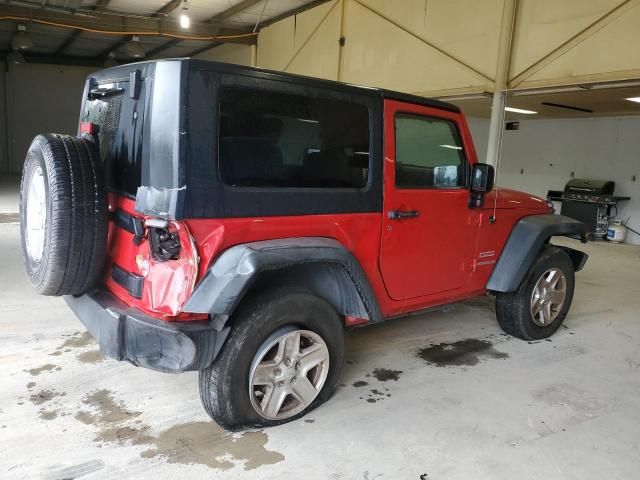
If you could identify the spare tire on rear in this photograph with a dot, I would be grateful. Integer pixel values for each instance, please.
(63, 214)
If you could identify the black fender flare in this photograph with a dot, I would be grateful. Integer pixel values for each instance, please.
(321, 264)
(525, 241)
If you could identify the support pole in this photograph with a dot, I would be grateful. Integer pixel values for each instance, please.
(341, 41)
(496, 124)
(496, 128)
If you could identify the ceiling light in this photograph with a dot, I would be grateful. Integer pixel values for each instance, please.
(519, 110)
(185, 22)
(452, 147)
(633, 99)
(21, 40)
(133, 48)
(15, 57)
(111, 60)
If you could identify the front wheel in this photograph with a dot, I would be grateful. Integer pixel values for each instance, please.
(537, 309)
(283, 357)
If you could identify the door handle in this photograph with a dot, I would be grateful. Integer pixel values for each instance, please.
(400, 214)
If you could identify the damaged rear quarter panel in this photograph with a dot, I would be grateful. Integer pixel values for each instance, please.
(358, 233)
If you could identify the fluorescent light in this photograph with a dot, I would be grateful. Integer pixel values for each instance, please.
(633, 99)
(519, 110)
(452, 147)
(184, 20)
(308, 120)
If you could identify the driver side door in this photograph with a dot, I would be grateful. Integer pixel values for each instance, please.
(429, 232)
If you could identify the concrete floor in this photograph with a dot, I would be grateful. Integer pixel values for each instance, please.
(492, 407)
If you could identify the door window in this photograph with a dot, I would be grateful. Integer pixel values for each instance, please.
(429, 153)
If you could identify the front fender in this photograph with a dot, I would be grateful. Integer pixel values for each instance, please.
(340, 278)
(524, 243)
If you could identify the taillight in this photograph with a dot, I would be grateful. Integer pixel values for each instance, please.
(88, 127)
(165, 245)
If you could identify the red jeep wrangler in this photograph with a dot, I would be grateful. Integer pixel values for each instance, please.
(234, 221)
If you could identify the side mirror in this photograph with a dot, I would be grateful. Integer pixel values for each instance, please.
(482, 177)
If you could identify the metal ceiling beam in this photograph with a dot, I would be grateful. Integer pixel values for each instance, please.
(291, 13)
(100, 5)
(250, 3)
(168, 8)
(111, 22)
(162, 12)
(231, 11)
(216, 19)
(100, 21)
(234, 11)
(161, 48)
(49, 58)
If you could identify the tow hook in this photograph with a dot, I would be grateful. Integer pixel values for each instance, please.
(165, 245)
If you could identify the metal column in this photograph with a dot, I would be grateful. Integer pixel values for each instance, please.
(496, 124)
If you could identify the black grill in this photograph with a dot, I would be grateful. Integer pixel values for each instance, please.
(589, 201)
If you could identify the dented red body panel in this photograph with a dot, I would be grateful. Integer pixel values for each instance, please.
(167, 285)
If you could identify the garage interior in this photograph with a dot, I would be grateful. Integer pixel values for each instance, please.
(492, 406)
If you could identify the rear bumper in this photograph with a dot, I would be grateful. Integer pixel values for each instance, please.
(127, 334)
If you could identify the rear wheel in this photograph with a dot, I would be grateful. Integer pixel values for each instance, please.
(537, 309)
(63, 215)
(282, 358)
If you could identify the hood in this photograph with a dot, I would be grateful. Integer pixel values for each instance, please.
(508, 198)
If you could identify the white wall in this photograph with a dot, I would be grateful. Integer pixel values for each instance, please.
(41, 98)
(543, 153)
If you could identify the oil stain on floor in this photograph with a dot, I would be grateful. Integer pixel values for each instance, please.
(48, 402)
(43, 368)
(466, 352)
(385, 374)
(189, 443)
(77, 340)
(91, 356)
(208, 444)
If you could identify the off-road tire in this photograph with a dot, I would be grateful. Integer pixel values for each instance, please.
(513, 309)
(75, 229)
(224, 386)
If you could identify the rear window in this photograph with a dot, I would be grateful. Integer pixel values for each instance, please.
(114, 112)
(270, 139)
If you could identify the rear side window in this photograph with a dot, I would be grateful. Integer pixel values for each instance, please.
(270, 139)
(429, 153)
(116, 116)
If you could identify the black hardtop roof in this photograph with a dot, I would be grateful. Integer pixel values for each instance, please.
(286, 77)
